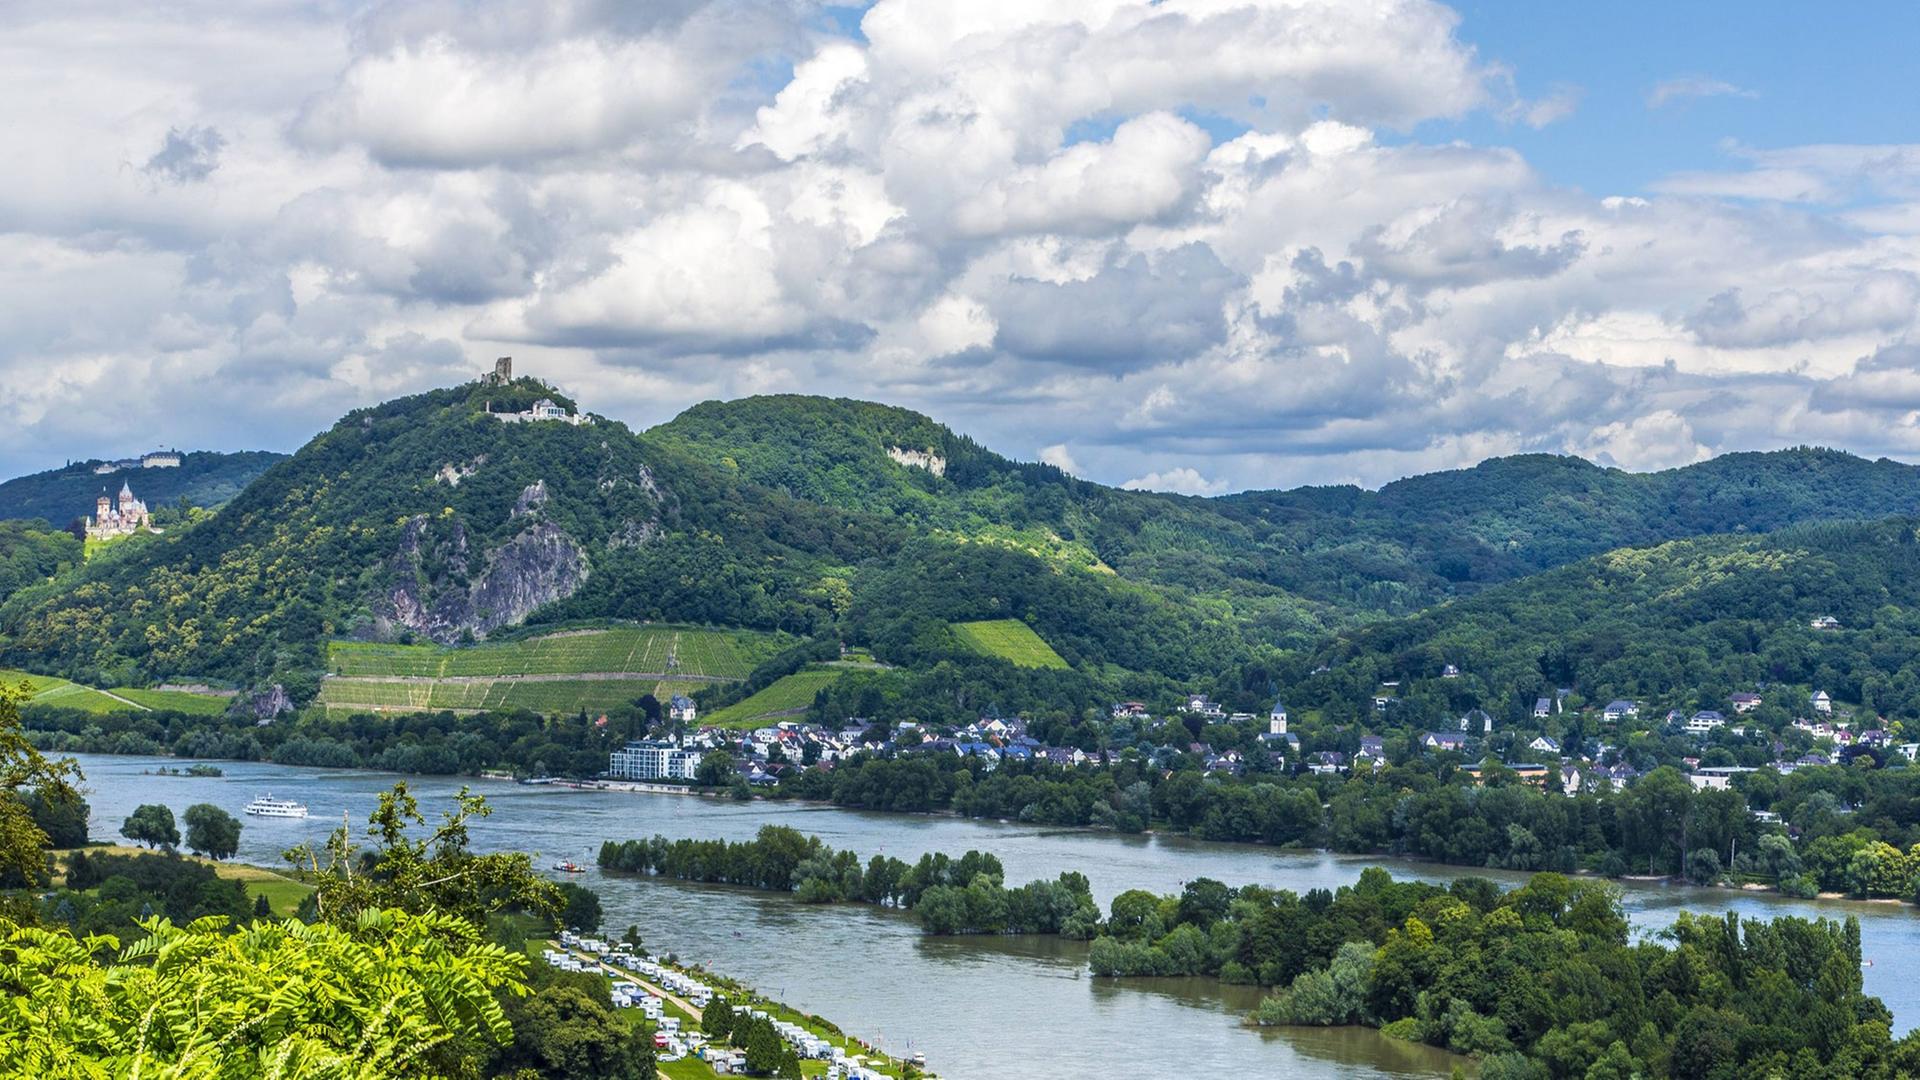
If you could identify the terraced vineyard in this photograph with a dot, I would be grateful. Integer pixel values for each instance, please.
(791, 695)
(1010, 640)
(650, 650)
(557, 673)
(472, 695)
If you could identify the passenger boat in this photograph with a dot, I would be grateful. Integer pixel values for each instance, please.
(268, 806)
(569, 867)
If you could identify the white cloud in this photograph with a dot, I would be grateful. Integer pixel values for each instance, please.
(1687, 87)
(1014, 216)
(1060, 458)
(1180, 481)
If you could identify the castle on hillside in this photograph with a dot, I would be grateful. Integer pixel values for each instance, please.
(124, 518)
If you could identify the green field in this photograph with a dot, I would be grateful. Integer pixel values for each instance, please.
(791, 694)
(60, 693)
(649, 650)
(1010, 640)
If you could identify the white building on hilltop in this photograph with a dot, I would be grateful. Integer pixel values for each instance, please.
(544, 409)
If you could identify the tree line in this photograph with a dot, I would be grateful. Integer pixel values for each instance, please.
(967, 895)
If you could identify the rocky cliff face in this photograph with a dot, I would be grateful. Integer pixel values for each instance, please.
(435, 593)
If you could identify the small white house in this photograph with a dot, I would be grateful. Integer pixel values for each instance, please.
(1704, 721)
(682, 710)
(1821, 702)
(1618, 710)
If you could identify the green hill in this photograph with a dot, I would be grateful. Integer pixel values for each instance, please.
(1292, 563)
(426, 519)
(1687, 622)
(204, 478)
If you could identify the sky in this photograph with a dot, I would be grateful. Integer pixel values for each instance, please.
(1193, 245)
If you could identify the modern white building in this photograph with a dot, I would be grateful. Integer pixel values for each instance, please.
(653, 761)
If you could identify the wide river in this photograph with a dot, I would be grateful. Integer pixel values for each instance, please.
(979, 1008)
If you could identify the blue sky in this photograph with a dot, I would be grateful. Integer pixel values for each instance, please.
(1191, 245)
(1796, 74)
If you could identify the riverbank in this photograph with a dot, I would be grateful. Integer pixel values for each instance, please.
(954, 999)
(844, 1054)
(644, 787)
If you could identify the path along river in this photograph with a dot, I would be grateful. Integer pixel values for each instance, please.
(979, 1008)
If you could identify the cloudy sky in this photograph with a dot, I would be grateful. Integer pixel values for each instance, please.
(1195, 245)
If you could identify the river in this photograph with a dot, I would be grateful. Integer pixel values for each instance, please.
(977, 1007)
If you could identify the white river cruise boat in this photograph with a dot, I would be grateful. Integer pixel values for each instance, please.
(268, 806)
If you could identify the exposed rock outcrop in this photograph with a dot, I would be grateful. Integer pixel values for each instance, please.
(540, 565)
(919, 459)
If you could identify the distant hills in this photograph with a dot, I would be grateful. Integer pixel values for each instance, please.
(425, 519)
(204, 478)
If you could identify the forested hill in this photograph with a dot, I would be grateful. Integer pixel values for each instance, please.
(425, 517)
(1291, 561)
(1683, 624)
(204, 478)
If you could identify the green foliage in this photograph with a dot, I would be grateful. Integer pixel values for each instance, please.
(284, 1000)
(580, 908)
(212, 831)
(31, 554)
(949, 896)
(567, 1028)
(151, 824)
(434, 873)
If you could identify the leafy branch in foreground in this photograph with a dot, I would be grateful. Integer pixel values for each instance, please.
(283, 1000)
(438, 873)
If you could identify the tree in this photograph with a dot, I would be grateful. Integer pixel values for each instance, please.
(567, 1029)
(23, 842)
(435, 873)
(64, 820)
(580, 908)
(261, 908)
(717, 1019)
(151, 824)
(715, 769)
(212, 831)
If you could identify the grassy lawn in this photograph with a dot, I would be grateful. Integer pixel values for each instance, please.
(790, 693)
(1010, 640)
(282, 892)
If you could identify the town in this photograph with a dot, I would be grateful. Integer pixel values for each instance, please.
(1541, 753)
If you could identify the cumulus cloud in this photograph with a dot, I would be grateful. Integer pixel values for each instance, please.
(1187, 244)
(1180, 481)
